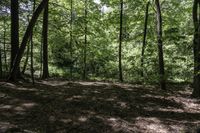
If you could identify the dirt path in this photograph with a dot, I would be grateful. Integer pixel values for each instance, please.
(95, 107)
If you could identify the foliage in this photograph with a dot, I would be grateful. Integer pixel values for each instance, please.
(103, 30)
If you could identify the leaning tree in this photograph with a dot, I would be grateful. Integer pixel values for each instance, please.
(196, 48)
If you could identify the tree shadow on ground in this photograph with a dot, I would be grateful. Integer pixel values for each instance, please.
(95, 107)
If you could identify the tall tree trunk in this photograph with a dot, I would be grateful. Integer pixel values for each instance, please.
(160, 45)
(32, 69)
(71, 39)
(31, 42)
(14, 33)
(144, 38)
(41, 57)
(4, 47)
(12, 76)
(120, 41)
(45, 43)
(26, 60)
(85, 44)
(196, 48)
(27, 53)
(1, 68)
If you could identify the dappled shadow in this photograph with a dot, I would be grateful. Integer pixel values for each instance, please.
(96, 107)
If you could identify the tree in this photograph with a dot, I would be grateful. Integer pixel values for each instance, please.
(160, 45)
(120, 41)
(196, 48)
(71, 37)
(4, 45)
(14, 32)
(85, 43)
(45, 42)
(144, 38)
(31, 43)
(12, 76)
(1, 71)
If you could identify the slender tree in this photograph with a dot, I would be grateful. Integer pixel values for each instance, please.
(31, 42)
(27, 53)
(26, 60)
(14, 32)
(160, 45)
(4, 46)
(1, 68)
(45, 42)
(120, 41)
(85, 44)
(144, 37)
(25, 39)
(71, 38)
(196, 48)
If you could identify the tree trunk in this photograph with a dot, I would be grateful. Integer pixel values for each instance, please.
(120, 41)
(160, 45)
(31, 42)
(1, 68)
(12, 76)
(45, 42)
(41, 57)
(27, 53)
(144, 38)
(26, 61)
(85, 44)
(32, 69)
(4, 47)
(71, 39)
(14, 33)
(196, 45)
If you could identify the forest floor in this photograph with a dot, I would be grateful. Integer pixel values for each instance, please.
(96, 107)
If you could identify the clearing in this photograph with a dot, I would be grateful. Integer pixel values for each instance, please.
(96, 107)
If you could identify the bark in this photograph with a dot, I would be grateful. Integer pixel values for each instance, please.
(27, 54)
(31, 42)
(1, 68)
(41, 58)
(160, 45)
(12, 76)
(14, 32)
(144, 38)
(120, 42)
(85, 44)
(45, 43)
(196, 48)
(32, 69)
(4, 46)
(26, 61)
(71, 39)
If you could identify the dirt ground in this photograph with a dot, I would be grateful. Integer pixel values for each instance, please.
(96, 107)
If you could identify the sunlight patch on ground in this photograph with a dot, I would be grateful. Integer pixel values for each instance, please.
(3, 95)
(5, 107)
(77, 97)
(190, 105)
(122, 105)
(171, 110)
(4, 126)
(66, 121)
(29, 105)
(55, 83)
(8, 84)
(82, 119)
(120, 125)
(154, 125)
(93, 83)
(25, 89)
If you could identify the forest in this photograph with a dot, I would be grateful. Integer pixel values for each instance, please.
(99, 66)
